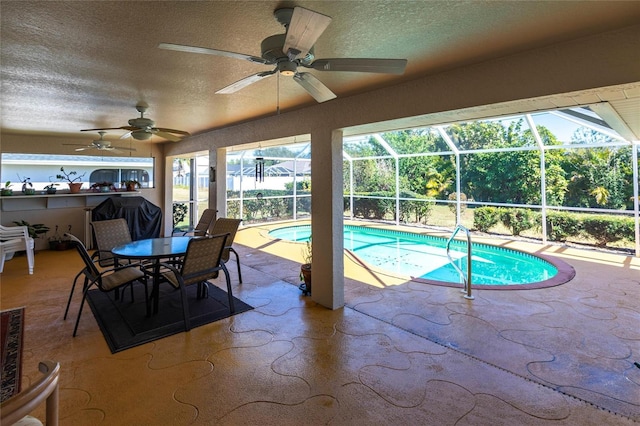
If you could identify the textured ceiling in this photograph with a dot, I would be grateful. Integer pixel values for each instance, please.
(73, 65)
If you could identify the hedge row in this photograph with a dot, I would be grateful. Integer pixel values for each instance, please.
(266, 207)
(416, 211)
(560, 225)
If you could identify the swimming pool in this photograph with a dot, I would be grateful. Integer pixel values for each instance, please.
(424, 257)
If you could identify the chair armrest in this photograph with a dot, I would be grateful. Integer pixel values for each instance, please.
(181, 232)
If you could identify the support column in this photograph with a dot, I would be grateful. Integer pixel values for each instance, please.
(327, 219)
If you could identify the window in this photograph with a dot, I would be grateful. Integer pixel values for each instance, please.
(42, 168)
(120, 175)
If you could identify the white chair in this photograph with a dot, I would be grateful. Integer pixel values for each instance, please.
(13, 239)
(15, 410)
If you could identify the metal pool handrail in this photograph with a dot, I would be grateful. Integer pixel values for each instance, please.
(467, 279)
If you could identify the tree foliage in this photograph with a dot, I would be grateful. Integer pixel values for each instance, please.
(594, 177)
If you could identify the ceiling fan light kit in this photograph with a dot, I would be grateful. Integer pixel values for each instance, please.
(294, 49)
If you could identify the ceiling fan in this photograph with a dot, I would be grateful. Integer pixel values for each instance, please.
(142, 128)
(294, 49)
(100, 144)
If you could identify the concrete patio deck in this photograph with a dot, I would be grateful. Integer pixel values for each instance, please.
(399, 352)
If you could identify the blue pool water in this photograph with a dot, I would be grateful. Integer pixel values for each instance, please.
(423, 256)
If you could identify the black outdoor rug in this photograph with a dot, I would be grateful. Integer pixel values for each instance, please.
(125, 324)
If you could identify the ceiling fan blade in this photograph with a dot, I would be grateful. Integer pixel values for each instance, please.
(77, 144)
(105, 128)
(315, 87)
(207, 51)
(111, 149)
(241, 84)
(303, 31)
(385, 66)
(166, 135)
(126, 135)
(85, 148)
(178, 132)
(121, 148)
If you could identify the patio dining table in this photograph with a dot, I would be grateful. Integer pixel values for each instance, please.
(154, 250)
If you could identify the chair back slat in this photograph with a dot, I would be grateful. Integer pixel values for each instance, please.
(202, 259)
(207, 218)
(13, 232)
(90, 269)
(13, 239)
(109, 234)
(229, 226)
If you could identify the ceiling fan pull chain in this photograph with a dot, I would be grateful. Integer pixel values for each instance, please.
(278, 93)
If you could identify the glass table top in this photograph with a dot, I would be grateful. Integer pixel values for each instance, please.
(154, 247)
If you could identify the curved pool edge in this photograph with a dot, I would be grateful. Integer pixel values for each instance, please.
(565, 274)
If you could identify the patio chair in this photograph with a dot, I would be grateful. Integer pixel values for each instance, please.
(202, 228)
(223, 226)
(107, 235)
(107, 280)
(17, 408)
(202, 262)
(13, 239)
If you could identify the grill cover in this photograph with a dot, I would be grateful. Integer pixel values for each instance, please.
(143, 217)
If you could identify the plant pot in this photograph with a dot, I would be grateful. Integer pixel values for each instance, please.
(74, 187)
(29, 191)
(59, 245)
(131, 187)
(305, 270)
(51, 190)
(6, 192)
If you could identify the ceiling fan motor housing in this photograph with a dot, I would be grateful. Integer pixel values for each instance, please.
(271, 48)
(141, 135)
(142, 122)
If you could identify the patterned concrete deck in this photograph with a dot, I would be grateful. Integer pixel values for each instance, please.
(400, 352)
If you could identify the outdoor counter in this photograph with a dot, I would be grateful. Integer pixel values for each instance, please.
(69, 212)
(60, 200)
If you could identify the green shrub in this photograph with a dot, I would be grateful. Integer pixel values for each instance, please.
(517, 220)
(562, 225)
(179, 212)
(233, 209)
(372, 208)
(415, 211)
(607, 229)
(272, 205)
(384, 206)
(484, 218)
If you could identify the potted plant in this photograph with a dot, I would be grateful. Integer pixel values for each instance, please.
(75, 183)
(59, 243)
(305, 269)
(34, 230)
(102, 186)
(27, 186)
(7, 189)
(131, 185)
(51, 188)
